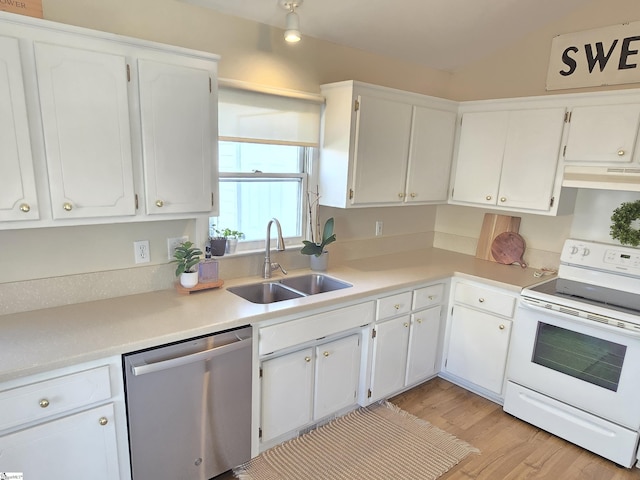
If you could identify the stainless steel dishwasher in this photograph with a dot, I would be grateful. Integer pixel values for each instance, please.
(189, 407)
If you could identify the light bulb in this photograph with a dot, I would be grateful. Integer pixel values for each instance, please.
(292, 28)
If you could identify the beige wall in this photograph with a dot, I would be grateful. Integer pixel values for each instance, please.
(520, 69)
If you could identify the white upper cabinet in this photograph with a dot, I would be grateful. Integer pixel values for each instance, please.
(85, 117)
(178, 113)
(431, 149)
(102, 128)
(384, 147)
(509, 159)
(602, 134)
(18, 199)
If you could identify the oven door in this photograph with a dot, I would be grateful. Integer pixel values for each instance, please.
(588, 365)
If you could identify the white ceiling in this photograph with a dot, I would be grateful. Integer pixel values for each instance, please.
(441, 34)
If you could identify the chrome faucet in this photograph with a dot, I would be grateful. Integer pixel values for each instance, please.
(268, 266)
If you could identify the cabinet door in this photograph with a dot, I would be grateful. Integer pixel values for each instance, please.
(423, 345)
(76, 447)
(381, 150)
(337, 375)
(178, 131)
(530, 158)
(287, 386)
(389, 357)
(432, 134)
(480, 152)
(604, 133)
(85, 116)
(17, 183)
(478, 347)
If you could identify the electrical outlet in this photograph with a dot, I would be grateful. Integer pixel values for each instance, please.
(141, 251)
(172, 243)
(379, 228)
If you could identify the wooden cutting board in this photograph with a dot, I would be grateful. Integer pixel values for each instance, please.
(492, 226)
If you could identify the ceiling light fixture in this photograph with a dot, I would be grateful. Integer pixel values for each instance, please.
(292, 22)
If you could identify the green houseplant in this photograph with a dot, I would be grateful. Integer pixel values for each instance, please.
(187, 256)
(317, 247)
(232, 237)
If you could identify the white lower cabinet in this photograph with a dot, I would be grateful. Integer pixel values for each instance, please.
(478, 336)
(405, 347)
(75, 447)
(69, 424)
(309, 384)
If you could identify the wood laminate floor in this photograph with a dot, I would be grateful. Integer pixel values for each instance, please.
(510, 448)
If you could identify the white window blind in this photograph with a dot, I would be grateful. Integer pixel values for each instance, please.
(248, 114)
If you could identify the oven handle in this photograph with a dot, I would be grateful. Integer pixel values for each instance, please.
(609, 324)
(205, 355)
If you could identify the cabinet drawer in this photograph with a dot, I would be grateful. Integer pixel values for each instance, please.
(288, 334)
(43, 399)
(485, 299)
(393, 305)
(427, 296)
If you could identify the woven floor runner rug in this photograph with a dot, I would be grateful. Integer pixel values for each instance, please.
(376, 442)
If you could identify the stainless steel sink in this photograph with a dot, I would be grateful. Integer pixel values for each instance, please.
(288, 288)
(314, 283)
(269, 292)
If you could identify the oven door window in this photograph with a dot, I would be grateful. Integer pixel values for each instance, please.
(581, 356)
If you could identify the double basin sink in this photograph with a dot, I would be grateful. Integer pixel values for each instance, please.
(288, 288)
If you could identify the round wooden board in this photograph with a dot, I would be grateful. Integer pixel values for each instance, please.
(508, 248)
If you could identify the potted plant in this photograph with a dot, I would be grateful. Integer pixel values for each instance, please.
(232, 237)
(217, 242)
(316, 249)
(187, 256)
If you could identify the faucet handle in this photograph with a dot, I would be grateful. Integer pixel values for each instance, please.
(275, 266)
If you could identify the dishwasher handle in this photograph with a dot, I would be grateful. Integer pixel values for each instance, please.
(205, 355)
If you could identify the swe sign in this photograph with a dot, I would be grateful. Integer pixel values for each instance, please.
(603, 56)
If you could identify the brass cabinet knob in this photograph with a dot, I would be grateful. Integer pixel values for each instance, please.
(159, 203)
(481, 300)
(432, 297)
(25, 207)
(501, 327)
(397, 306)
(307, 359)
(44, 403)
(419, 320)
(406, 325)
(503, 199)
(413, 195)
(621, 153)
(488, 197)
(326, 354)
(401, 195)
(67, 206)
(103, 421)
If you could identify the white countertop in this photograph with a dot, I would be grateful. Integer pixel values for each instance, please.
(40, 340)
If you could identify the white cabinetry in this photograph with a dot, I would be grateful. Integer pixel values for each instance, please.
(85, 115)
(114, 124)
(602, 134)
(382, 146)
(509, 158)
(178, 113)
(405, 340)
(310, 369)
(18, 199)
(70, 422)
(477, 337)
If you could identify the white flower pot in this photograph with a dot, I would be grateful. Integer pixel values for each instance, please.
(189, 279)
(319, 264)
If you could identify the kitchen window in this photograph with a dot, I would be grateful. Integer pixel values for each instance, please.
(267, 150)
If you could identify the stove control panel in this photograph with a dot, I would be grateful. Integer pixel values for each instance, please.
(601, 256)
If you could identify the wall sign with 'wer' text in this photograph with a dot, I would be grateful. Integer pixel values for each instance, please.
(603, 56)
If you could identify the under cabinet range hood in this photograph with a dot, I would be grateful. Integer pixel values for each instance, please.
(604, 178)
